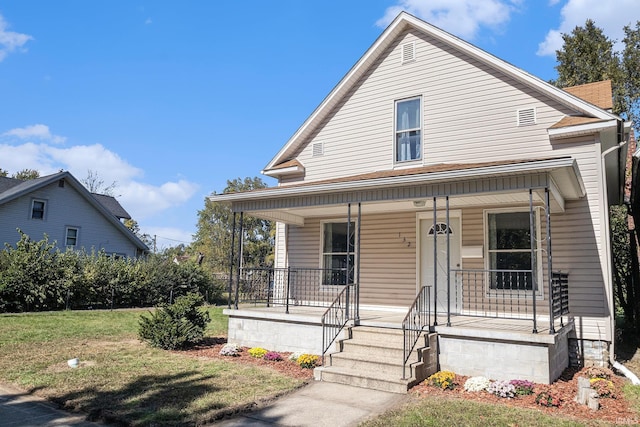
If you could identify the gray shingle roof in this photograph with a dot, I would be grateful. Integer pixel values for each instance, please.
(112, 205)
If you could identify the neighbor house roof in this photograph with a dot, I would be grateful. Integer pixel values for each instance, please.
(14, 190)
(112, 205)
(400, 24)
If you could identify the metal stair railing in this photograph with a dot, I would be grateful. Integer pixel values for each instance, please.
(414, 322)
(336, 317)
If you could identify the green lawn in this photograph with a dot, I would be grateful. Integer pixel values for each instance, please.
(120, 378)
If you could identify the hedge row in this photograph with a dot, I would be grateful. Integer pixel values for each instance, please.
(37, 276)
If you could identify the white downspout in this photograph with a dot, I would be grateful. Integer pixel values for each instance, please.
(607, 242)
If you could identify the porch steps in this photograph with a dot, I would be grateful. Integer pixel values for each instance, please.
(372, 358)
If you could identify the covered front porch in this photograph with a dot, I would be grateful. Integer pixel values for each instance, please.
(461, 251)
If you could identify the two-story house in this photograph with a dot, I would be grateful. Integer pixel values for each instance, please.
(440, 209)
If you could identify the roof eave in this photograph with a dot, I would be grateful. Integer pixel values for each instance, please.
(311, 189)
(581, 130)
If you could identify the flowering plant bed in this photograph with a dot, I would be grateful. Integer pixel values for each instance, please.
(211, 347)
(556, 398)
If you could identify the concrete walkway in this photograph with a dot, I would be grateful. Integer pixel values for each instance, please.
(320, 404)
(20, 409)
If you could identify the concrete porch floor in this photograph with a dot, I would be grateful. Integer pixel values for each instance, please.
(392, 317)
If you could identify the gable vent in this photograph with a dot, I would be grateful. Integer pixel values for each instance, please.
(318, 149)
(408, 52)
(527, 116)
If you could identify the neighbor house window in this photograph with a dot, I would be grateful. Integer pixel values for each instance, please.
(408, 130)
(37, 209)
(71, 238)
(337, 248)
(509, 250)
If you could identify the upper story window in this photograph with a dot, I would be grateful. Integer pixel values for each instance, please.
(71, 238)
(37, 209)
(408, 130)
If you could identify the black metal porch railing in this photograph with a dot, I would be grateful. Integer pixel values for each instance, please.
(336, 317)
(414, 323)
(560, 292)
(309, 287)
(494, 293)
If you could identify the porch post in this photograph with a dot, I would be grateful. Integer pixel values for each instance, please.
(348, 255)
(534, 270)
(239, 259)
(448, 267)
(435, 263)
(357, 296)
(233, 242)
(547, 207)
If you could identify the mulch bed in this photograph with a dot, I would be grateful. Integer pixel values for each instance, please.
(611, 410)
(210, 349)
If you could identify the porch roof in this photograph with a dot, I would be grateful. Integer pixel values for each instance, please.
(286, 203)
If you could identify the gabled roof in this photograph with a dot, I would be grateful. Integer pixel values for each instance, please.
(399, 24)
(597, 93)
(15, 190)
(112, 205)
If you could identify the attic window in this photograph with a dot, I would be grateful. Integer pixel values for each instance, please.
(526, 116)
(318, 149)
(61, 183)
(408, 52)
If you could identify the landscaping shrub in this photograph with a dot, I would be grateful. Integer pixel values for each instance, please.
(307, 361)
(475, 384)
(546, 398)
(445, 380)
(522, 387)
(230, 350)
(175, 326)
(502, 389)
(257, 352)
(272, 356)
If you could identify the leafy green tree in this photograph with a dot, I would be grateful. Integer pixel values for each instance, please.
(4, 173)
(588, 56)
(213, 235)
(26, 174)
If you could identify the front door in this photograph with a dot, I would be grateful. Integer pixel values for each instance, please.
(441, 231)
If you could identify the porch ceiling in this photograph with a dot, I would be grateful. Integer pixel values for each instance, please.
(298, 215)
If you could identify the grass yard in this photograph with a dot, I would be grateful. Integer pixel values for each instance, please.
(120, 378)
(439, 411)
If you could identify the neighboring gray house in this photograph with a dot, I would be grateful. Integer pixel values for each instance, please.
(61, 207)
(417, 208)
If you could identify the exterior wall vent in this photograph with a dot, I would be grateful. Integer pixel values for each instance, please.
(408, 52)
(318, 149)
(526, 116)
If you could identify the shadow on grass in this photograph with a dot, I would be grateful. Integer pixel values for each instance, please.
(149, 400)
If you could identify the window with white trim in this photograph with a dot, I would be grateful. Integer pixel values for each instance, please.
(38, 209)
(336, 250)
(71, 237)
(509, 250)
(408, 129)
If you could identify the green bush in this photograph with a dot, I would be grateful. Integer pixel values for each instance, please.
(175, 326)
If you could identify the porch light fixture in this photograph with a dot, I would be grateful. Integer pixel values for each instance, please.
(419, 203)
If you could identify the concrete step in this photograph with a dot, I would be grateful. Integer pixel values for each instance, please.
(375, 382)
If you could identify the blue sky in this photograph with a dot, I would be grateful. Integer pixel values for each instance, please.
(171, 99)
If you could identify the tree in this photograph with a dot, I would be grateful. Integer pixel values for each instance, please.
(3, 172)
(96, 185)
(132, 225)
(213, 235)
(588, 56)
(26, 174)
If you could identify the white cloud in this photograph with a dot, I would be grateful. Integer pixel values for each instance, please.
(609, 15)
(148, 21)
(142, 200)
(9, 40)
(463, 18)
(37, 131)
